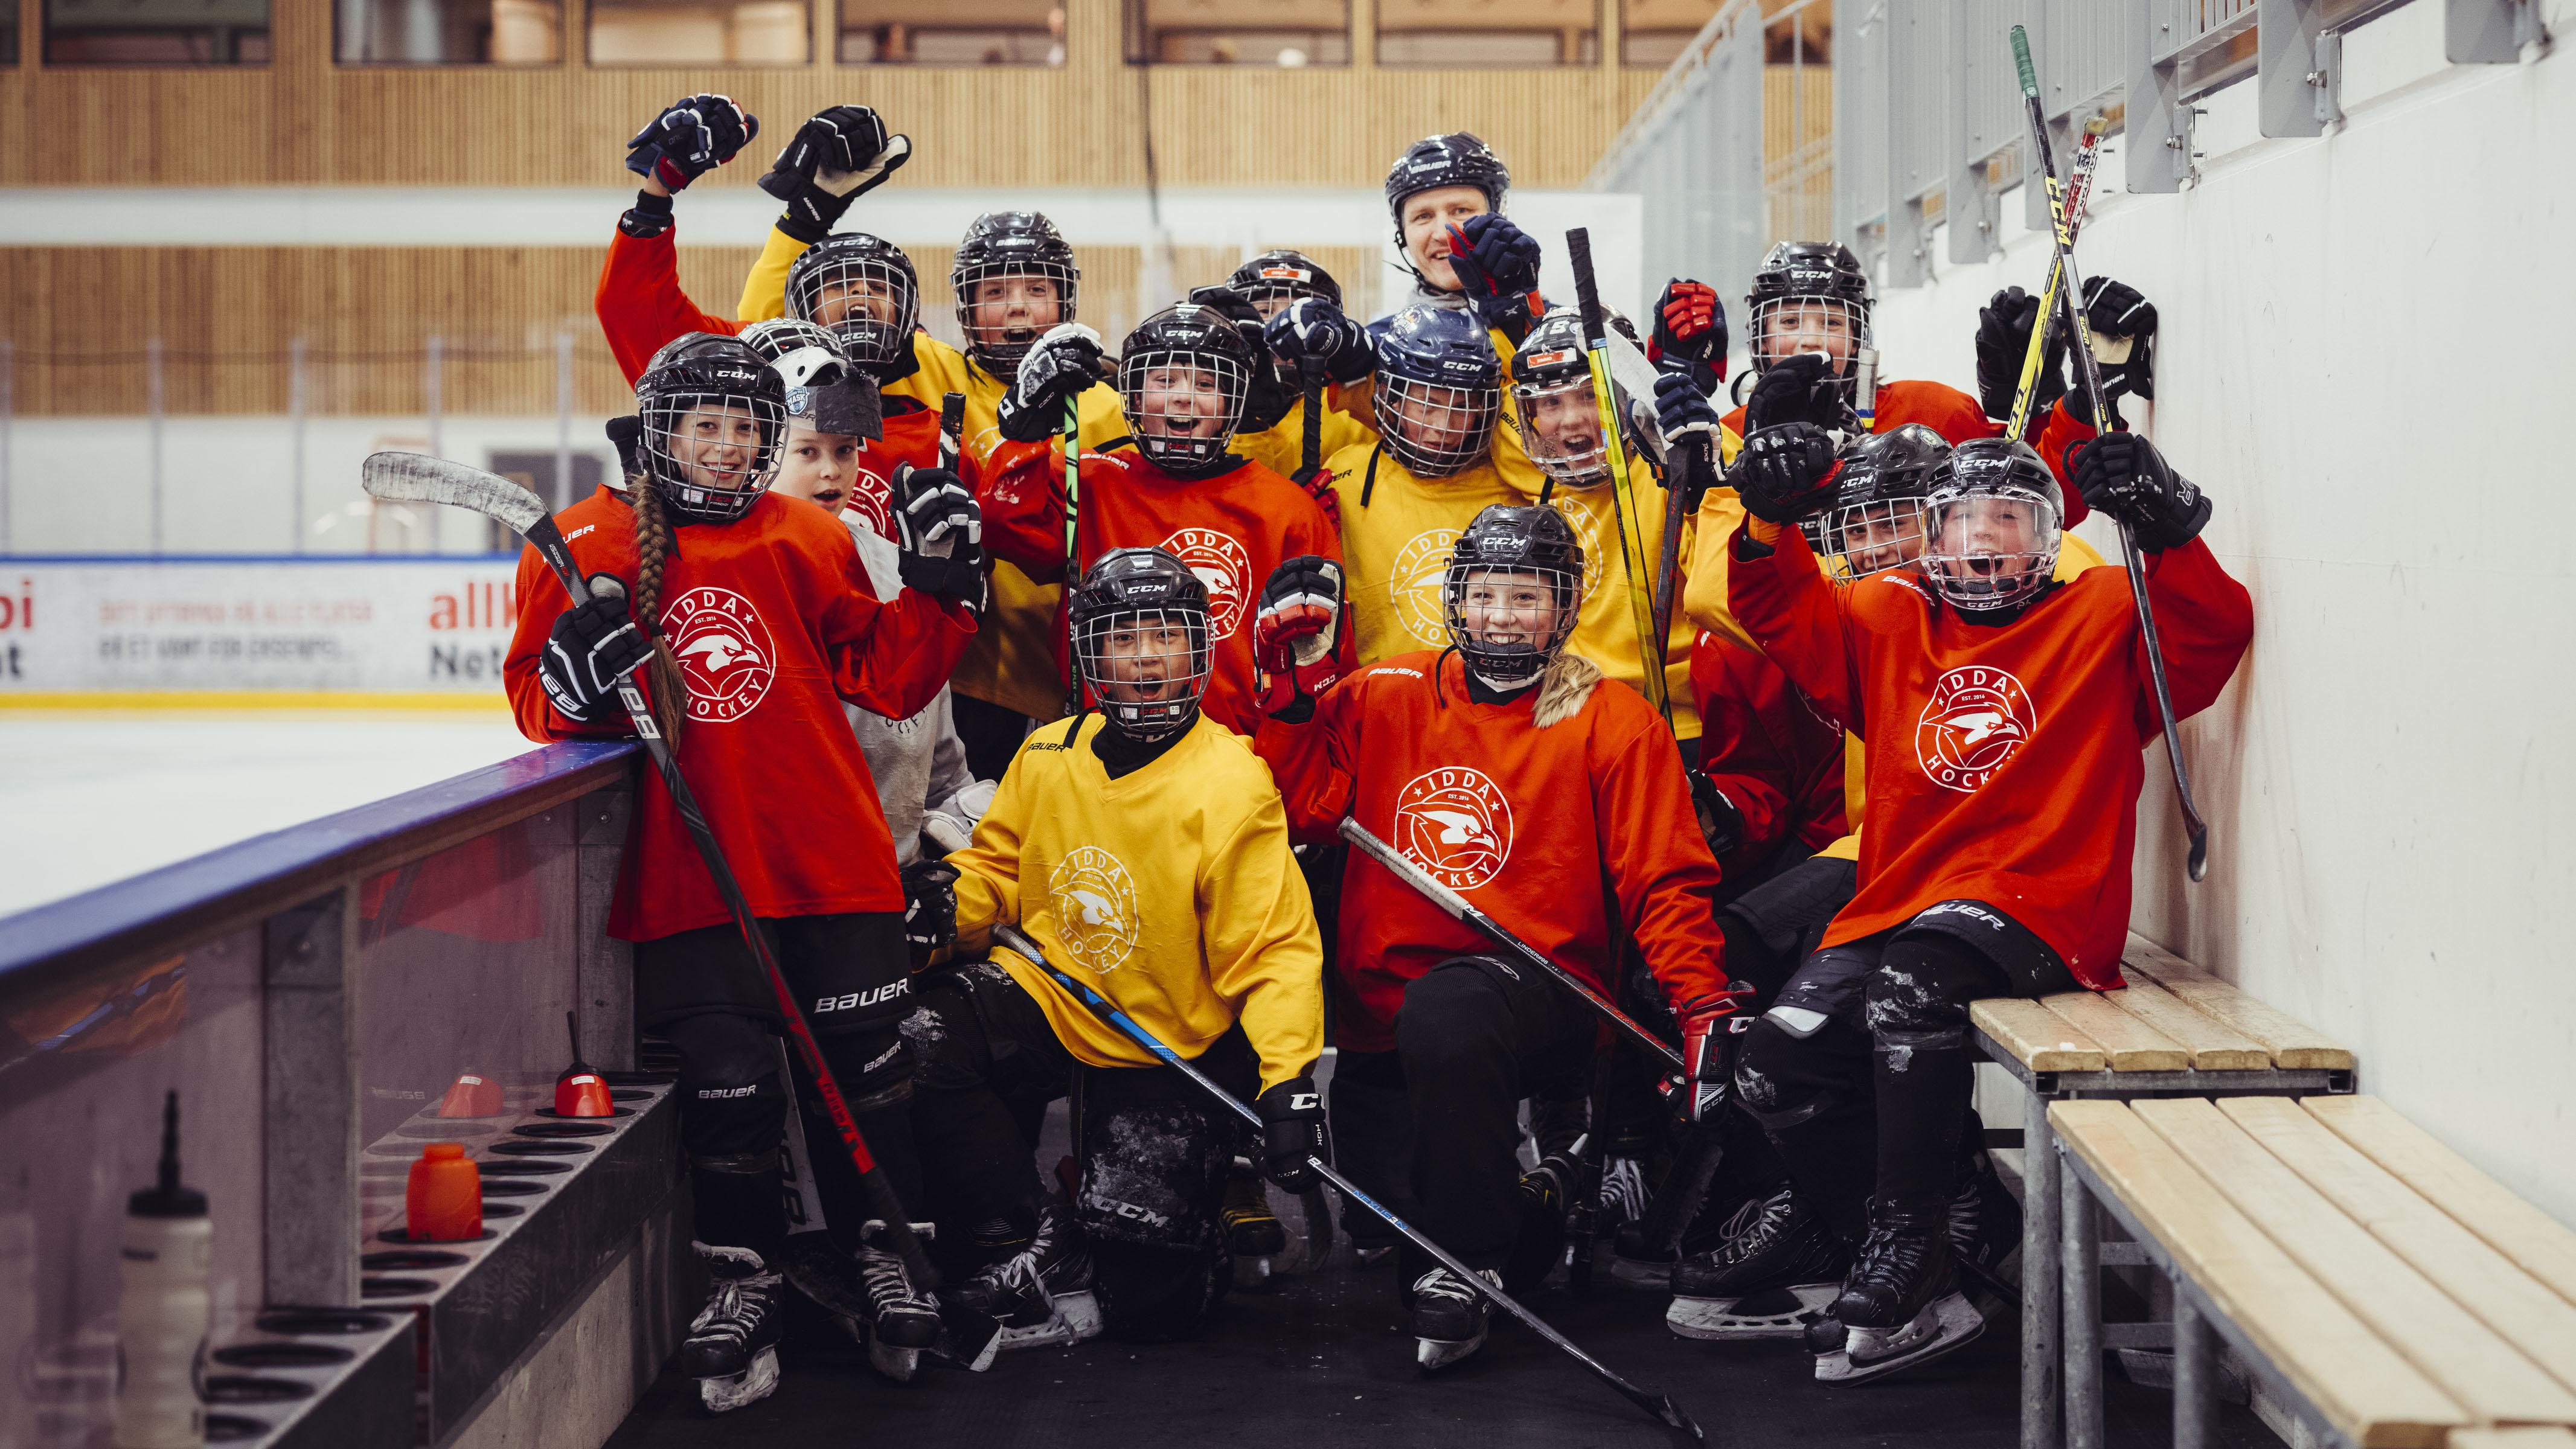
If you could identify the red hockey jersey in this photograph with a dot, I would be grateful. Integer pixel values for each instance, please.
(1767, 750)
(2003, 762)
(1542, 828)
(774, 623)
(1231, 530)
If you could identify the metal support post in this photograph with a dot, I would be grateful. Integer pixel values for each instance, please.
(605, 968)
(310, 962)
(152, 402)
(2158, 124)
(1972, 209)
(2039, 1304)
(2195, 1410)
(2490, 32)
(2080, 1289)
(2285, 66)
(296, 405)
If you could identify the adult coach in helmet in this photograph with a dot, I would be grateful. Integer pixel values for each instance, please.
(1143, 847)
(1447, 194)
(1499, 764)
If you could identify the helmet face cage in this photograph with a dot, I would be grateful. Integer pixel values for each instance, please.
(1183, 405)
(776, 337)
(1560, 427)
(1495, 611)
(1868, 538)
(1783, 327)
(1434, 429)
(1002, 341)
(868, 300)
(711, 452)
(1989, 546)
(1147, 668)
(1274, 279)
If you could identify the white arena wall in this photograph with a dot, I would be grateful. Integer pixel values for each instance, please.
(2363, 358)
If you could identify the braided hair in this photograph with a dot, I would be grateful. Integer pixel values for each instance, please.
(668, 688)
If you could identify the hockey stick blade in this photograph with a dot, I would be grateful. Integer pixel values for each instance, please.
(1658, 1404)
(420, 478)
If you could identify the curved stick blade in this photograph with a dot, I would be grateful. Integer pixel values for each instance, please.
(420, 478)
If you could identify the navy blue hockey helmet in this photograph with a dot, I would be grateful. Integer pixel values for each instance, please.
(1439, 389)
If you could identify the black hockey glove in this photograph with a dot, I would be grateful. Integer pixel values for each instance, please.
(1267, 394)
(691, 137)
(2123, 324)
(1059, 366)
(1690, 333)
(2003, 342)
(1292, 1130)
(1784, 475)
(1497, 267)
(1799, 389)
(2123, 475)
(590, 648)
(929, 906)
(1719, 821)
(649, 217)
(941, 534)
(837, 157)
(1315, 332)
(627, 434)
(1683, 412)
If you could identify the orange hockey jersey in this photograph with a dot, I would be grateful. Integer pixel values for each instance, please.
(1767, 750)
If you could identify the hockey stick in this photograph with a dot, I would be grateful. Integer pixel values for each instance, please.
(2062, 242)
(1492, 930)
(1689, 463)
(2069, 213)
(418, 478)
(1072, 564)
(1657, 1404)
(952, 429)
(1310, 452)
(1632, 538)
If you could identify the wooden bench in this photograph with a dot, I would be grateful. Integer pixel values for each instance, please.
(2174, 1031)
(2375, 1284)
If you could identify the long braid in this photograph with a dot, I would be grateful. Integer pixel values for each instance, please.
(669, 688)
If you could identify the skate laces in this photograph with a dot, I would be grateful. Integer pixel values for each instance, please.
(1901, 1240)
(1441, 1283)
(1770, 1218)
(731, 1310)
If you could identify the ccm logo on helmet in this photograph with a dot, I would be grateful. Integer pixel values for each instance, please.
(856, 999)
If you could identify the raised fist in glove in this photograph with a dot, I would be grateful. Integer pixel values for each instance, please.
(1292, 1130)
(929, 906)
(1690, 334)
(1316, 334)
(941, 534)
(2003, 342)
(591, 648)
(690, 138)
(1785, 473)
(840, 155)
(2123, 475)
(1683, 412)
(1058, 367)
(1293, 636)
(1800, 388)
(1705, 1026)
(1267, 395)
(2123, 324)
(1497, 267)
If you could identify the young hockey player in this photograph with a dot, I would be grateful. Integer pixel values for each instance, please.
(1183, 375)
(1551, 803)
(756, 619)
(1143, 846)
(1270, 282)
(2004, 714)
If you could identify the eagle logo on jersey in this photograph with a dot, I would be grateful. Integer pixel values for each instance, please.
(1976, 719)
(1455, 824)
(1223, 566)
(724, 650)
(1413, 585)
(1095, 907)
(1587, 532)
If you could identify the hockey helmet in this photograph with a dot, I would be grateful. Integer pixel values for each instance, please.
(1182, 376)
(824, 392)
(715, 421)
(1139, 626)
(1559, 414)
(1012, 244)
(1274, 279)
(1810, 297)
(1875, 522)
(1439, 390)
(1514, 590)
(1457, 159)
(1991, 511)
(864, 291)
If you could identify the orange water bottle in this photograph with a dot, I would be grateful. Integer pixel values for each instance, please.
(444, 1200)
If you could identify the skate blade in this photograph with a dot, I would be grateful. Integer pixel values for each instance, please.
(1076, 1319)
(1782, 1313)
(1371, 1257)
(1434, 1354)
(1252, 1275)
(733, 1391)
(898, 1364)
(1643, 1275)
(1947, 1323)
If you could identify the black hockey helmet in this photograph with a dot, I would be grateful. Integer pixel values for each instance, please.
(1439, 389)
(824, 392)
(1991, 511)
(715, 420)
(1011, 244)
(1139, 626)
(1182, 377)
(1457, 159)
(843, 283)
(1875, 522)
(1513, 556)
(1282, 277)
(1822, 287)
(1552, 394)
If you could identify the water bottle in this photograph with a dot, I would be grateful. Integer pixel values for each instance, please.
(161, 1317)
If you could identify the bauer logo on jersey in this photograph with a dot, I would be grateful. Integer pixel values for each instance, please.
(1095, 907)
(1454, 823)
(1976, 719)
(1414, 585)
(725, 651)
(1223, 566)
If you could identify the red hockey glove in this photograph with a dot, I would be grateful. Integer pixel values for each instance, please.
(1706, 1022)
(1690, 333)
(1294, 633)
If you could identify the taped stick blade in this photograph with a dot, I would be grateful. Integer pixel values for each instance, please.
(1671, 1413)
(420, 478)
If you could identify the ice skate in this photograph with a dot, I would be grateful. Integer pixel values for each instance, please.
(1770, 1281)
(732, 1347)
(1634, 1265)
(1985, 1233)
(1449, 1318)
(1900, 1305)
(1547, 1194)
(1253, 1232)
(902, 1317)
(1042, 1295)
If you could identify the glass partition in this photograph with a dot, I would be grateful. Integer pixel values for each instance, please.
(156, 32)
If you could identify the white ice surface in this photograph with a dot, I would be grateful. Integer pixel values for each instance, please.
(86, 799)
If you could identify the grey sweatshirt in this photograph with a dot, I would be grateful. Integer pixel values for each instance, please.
(919, 763)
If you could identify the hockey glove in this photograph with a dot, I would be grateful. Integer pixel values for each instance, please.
(1315, 332)
(1705, 1023)
(1267, 394)
(1719, 821)
(837, 157)
(690, 138)
(929, 906)
(1690, 334)
(1058, 368)
(1799, 389)
(1292, 1130)
(627, 434)
(1293, 637)
(1497, 267)
(591, 647)
(1785, 473)
(941, 534)
(2123, 324)
(1682, 412)
(2003, 343)
(2124, 476)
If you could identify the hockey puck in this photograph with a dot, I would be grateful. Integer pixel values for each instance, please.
(247, 1389)
(317, 1321)
(567, 1129)
(518, 1148)
(281, 1355)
